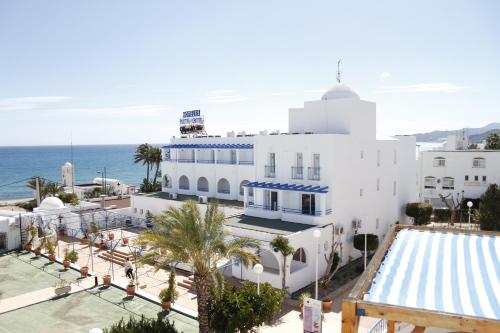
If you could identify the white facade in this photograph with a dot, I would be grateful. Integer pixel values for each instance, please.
(329, 170)
(68, 174)
(457, 171)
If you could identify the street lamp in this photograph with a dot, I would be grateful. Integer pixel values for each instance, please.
(258, 269)
(469, 204)
(317, 235)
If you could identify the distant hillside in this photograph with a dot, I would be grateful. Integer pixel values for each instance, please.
(441, 135)
(478, 138)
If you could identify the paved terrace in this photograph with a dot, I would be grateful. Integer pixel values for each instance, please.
(273, 226)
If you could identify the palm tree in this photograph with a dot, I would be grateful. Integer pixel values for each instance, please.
(155, 159)
(142, 154)
(280, 244)
(184, 235)
(46, 187)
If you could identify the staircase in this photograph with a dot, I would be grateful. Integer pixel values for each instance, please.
(187, 283)
(118, 257)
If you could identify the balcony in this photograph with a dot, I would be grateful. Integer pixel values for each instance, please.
(185, 160)
(205, 161)
(297, 173)
(226, 161)
(270, 171)
(264, 207)
(313, 173)
(475, 183)
(302, 212)
(245, 163)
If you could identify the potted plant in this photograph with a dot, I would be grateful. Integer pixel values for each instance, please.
(62, 287)
(169, 294)
(111, 236)
(84, 271)
(69, 257)
(102, 245)
(327, 304)
(50, 248)
(33, 232)
(106, 280)
(38, 250)
(302, 298)
(125, 241)
(131, 287)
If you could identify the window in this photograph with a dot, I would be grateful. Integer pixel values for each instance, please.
(429, 182)
(378, 184)
(448, 183)
(476, 178)
(299, 255)
(484, 178)
(478, 162)
(466, 178)
(299, 160)
(394, 188)
(378, 158)
(439, 162)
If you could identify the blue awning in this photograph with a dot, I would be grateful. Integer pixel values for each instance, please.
(210, 146)
(289, 187)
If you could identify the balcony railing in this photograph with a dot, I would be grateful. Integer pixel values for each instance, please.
(246, 162)
(226, 161)
(313, 173)
(302, 212)
(264, 207)
(475, 183)
(170, 160)
(205, 161)
(297, 172)
(185, 160)
(270, 171)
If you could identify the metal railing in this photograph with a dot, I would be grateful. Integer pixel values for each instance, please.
(302, 211)
(297, 172)
(185, 160)
(313, 173)
(245, 162)
(226, 161)
(264, 207)
(205, 161)
(379, 327)
(270, 171)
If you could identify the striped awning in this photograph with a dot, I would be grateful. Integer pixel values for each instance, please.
(210, 146)
(288, 187)
(441, 271)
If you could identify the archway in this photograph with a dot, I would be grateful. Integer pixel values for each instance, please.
(183, 183)
(202, 184)
(223, 186)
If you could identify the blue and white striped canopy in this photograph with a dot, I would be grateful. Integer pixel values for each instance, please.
(210, 146)
(441, 271)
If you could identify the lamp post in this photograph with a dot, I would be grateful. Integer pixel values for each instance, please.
(469, 204)
(317, 235)
(258, 269)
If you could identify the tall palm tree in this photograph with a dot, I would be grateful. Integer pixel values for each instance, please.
(281, 244)
(142, 154)
(184, 235)
(46, 187)
(155, 159)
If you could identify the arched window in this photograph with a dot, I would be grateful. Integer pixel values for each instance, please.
(448, 183)
(439, 162)
(166, 181)
(300, 255)
(183, 183)
(223, 186)
(430, 182)
(250, 189)
(479, 162)
(202, 184)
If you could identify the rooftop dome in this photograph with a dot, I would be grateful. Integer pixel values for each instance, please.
(339, 91)
(51, 203)
(67, 164)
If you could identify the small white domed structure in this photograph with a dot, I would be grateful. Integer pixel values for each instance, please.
(339, 91)
(51, 203)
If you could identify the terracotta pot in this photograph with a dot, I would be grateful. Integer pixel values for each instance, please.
(84, 271)
(28, 247)
(131, 290)
(125, 241)
(327, 305)
(165, 305)
(52, 257)
(106, 280)
(84, 241)
(111, 236)
(66, 263)
(37, 252)
(102, 246)
(62, 232)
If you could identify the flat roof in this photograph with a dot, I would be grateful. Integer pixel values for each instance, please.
(184, 197)
(272, 226)
(450, 272)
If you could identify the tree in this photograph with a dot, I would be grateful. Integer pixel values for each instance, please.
(155, 160)
(143, 154)
(70, 198)
(420, 212)
(473, 146)
(489, 209)
(453, 204)
(281, 244)
(371, 242)
(493, 141)
(241, 309)
(184, 235)
(143, 325)
(332, 261)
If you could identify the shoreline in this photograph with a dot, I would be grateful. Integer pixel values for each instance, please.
(11, 202)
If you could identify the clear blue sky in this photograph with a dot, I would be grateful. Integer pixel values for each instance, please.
(123, 71)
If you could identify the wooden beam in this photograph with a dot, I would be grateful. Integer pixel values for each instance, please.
(418, 329)
(350, 320)
(391, 326)
(426, 318)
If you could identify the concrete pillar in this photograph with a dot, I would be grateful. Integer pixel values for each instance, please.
(245, 197)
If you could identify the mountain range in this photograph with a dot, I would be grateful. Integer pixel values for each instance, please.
(476, 135)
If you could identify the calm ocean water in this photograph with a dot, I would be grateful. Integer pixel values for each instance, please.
(17, 163)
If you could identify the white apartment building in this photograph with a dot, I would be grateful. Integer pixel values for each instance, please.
(452, 172)
(326, 172)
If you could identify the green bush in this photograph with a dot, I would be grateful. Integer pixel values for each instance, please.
(28, 205)
(70, 198)
(143, 325)
(441, 214)
(371, 242)
(420, 212)
(489, 209)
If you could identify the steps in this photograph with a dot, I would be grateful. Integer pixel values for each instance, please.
(118, 257)
(187, 283)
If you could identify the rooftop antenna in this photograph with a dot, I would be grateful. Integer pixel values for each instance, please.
(338, 70)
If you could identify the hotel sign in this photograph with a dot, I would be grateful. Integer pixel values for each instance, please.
(192, 122)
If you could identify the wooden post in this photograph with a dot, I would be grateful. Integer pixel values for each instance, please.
(349, 319)
(390, 326)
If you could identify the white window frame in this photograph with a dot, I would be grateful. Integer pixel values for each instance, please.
(439, 162)
(479, 162)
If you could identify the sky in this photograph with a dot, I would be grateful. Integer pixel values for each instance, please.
(111, 72)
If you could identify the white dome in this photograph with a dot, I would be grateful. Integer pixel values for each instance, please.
(67, 164)
(51, 203)
(339, 91)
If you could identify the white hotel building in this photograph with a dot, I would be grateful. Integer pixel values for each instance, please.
(329, 170)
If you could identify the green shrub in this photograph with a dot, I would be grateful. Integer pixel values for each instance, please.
(489, 209)
(143, 325)
(441, 214)
(28, 205)
(70, 198)
(420, 212)
(371, 242)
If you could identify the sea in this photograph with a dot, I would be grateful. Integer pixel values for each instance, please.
(19, 163)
